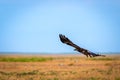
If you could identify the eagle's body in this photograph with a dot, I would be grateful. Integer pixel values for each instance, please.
(65, 40)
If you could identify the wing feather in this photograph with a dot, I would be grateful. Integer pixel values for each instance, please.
(65, 40)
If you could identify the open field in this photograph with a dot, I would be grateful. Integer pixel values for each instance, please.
(59, 67)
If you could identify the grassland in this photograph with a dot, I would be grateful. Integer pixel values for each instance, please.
(59, 67)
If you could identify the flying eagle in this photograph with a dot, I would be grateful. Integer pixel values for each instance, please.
(67, 41)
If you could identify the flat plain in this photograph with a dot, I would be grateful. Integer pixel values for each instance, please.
(59, 67)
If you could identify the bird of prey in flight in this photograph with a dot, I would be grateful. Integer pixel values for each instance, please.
(67, 41)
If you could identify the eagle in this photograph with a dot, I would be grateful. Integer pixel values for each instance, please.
(86, 52)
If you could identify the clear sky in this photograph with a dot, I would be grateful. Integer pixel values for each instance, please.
(34, 25)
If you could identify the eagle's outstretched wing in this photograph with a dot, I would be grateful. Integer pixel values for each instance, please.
(65, 40)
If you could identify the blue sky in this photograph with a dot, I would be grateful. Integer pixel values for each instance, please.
(34, 25)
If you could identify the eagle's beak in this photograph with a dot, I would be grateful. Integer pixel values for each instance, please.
(75, 49)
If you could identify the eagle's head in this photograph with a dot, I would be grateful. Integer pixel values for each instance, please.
(75, 49)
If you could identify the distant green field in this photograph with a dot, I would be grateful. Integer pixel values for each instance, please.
(25, 59)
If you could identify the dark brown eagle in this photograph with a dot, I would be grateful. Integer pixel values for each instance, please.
(67, 41)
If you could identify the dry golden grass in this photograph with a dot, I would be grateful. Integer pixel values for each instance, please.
(62, 67)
